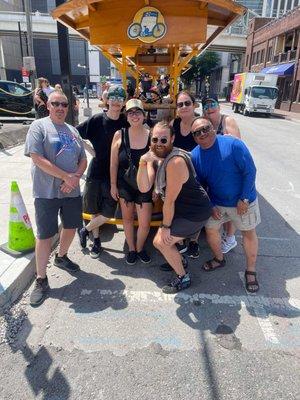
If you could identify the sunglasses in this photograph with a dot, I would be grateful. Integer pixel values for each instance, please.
(186, 103)
(161, 140)
(212, 104)
(135, 113)
(204, 130)
(119, 99)
(56, 104)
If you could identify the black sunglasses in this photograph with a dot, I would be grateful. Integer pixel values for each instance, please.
(161, 140)
(203, 130)
(186, 103)
(57, 104)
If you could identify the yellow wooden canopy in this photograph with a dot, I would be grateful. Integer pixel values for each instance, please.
(141, 35)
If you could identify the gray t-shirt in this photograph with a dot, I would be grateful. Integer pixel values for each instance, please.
(62, 146)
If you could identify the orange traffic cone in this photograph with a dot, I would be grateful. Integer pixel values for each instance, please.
(20, 235)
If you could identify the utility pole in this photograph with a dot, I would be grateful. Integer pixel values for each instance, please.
(27, 6)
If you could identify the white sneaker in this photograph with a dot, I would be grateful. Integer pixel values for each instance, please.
(227, 246)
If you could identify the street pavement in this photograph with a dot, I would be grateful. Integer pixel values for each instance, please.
(109, 333)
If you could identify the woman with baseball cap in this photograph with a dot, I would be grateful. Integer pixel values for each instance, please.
(129, 144)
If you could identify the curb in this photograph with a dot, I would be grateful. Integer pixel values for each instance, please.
(18, 277)
(12, 137)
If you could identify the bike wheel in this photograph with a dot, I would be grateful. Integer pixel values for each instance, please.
(159, 30)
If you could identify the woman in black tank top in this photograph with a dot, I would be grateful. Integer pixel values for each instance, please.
(132, 142)
(185, 103)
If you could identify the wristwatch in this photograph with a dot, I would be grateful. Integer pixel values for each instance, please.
(165, 226)
(246, 201)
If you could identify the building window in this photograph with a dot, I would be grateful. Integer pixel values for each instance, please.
(262, 56)
(269, 54)
(253, 58)
(257, 57)
(286, 90)
(247, 60)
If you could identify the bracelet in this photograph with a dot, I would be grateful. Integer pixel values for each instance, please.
(165, 226)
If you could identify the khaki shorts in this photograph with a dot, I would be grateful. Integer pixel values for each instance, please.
(245, 222)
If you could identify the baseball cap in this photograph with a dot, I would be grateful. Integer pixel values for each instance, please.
(210, 98)
(116, 91)
(134, 103)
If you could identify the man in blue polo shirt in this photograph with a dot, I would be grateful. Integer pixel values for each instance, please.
(224, 166)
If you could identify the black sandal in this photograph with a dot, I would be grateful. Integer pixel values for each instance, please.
(208, 266)
(249, 285)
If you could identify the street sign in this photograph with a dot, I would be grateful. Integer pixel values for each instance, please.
(25, 74)
(29, 63)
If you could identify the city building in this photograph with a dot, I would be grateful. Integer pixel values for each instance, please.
(233, 62)
(13, 45)
(273, 46)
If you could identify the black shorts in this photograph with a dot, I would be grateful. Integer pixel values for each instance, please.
(46, 215)
(97, 198)
(130, 195)
(185, 228)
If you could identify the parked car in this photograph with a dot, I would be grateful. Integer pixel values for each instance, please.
(15, 100)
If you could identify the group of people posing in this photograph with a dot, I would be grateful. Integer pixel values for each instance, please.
(197, 165)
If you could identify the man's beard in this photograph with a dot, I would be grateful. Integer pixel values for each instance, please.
(163, 151)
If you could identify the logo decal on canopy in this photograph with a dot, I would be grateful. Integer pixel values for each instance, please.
(148, 25)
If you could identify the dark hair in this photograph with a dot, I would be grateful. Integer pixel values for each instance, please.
(199, 117)
(186, 93)
(163, 125)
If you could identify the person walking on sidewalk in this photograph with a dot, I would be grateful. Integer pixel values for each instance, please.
(225, 165)
(97, 199)
(186, 205)
(58, 162)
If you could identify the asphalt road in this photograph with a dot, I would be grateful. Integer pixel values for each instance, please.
(109, 333)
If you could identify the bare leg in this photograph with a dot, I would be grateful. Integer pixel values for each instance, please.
(170, 252)
(42, 254)
(250, 242)
(96, 222)
(229, 228)
(128, 218)
(66, 238)
(144, 217)
(213, 238)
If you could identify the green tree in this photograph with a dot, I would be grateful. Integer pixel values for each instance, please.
(201, 66)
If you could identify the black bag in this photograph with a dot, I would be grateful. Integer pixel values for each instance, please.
(131, 172)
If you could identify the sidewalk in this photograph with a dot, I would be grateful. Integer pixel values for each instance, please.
(16, 273)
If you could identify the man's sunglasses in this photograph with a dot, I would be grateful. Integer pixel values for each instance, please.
(56, 104)
(211, 104)
(161, 140)
(119, 99)
(204, 130)
(186, 103)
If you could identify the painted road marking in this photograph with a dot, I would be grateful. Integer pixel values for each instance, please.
(262, 317)
(284, 303)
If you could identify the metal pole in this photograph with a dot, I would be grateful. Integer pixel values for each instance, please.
(65, 65)
(29, 37)
(87, 73)
(20, 38)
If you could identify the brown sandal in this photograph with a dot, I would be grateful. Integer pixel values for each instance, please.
(208, 266)
(251, 283)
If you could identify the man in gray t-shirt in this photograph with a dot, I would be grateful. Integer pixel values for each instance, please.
(59, 161)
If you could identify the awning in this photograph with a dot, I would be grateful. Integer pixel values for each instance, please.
(280, 69)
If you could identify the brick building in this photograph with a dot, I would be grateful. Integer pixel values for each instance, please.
(273, 46)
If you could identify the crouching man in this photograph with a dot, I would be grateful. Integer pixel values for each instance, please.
(186, 205)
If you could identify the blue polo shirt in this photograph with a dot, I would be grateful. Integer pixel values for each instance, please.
(226, 170)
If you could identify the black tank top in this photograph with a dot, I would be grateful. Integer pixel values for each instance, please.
(192, 202)
(183, 142)
(135, 155)
(220, 129)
